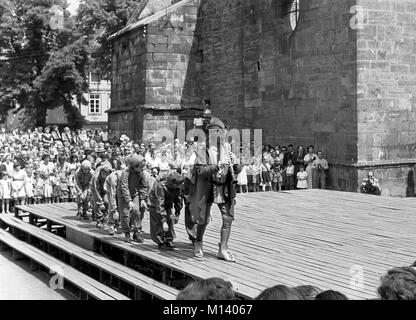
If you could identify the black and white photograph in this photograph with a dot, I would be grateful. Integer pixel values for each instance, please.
(196, 150)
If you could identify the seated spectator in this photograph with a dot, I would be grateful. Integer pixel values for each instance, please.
(370, 185)
(331, 295)
(209, 289)
(308, 292)
(279, 292)
(398, 284)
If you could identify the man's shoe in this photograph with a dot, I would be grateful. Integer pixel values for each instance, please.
(127, 237)
(198, 250)
(160, 246)
(111, 231)
(169, 244)
(137, 238)
(225, 254)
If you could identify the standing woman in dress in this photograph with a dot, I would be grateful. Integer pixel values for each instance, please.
(18, 184)
(309, 159)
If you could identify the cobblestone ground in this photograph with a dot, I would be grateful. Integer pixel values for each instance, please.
(18, 282)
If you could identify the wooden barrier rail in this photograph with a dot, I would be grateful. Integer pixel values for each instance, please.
(87, 288)
(125, 280)
(109, 247)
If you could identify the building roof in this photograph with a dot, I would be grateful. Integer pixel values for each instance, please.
(146, 20)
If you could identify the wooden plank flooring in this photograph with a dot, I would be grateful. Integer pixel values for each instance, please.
(294, 238)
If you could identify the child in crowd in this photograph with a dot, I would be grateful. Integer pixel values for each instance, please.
(277, 178)
(55, 182)
(64, 187)
(48, 189)
(71, 185)
(290, 175)
(266, 175)
(242, 179)
(302, 178)
(29, 187)
(18, 179)
(6, 188)
(256, 175)
(38, 187)
(249, 173)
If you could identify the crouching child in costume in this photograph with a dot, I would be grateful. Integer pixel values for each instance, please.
(165, 195)
(132, 194)
(99, 197)
(82, 185)
(110, 188)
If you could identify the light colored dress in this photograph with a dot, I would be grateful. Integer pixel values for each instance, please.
(18, 184)
(6, 187)
(163, 165)
(309, 170)
(9, 167)
(29, 187)
(48, 168)
(242, 176)
(302, 180)
(39, 188)
(48, 191)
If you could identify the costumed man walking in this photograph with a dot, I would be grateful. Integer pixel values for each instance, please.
(99, 196)
(165, 196)
(110, 188)
(214, 181)
(82, 183)
(132, 194)
(190, 225)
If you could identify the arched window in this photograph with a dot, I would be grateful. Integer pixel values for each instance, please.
(292, 11)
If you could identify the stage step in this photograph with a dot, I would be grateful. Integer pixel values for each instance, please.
(175, 268)
(87, 286)
(129, 282)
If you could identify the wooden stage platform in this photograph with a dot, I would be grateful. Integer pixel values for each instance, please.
(315, 237)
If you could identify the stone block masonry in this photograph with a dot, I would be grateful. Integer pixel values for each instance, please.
(386, 101)
(350, 92)
(150, 67)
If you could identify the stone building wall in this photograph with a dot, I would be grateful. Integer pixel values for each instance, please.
(349, 92)
(299, 86)
(386, 59)
(169, 44)
(150, 67)
(129, 65)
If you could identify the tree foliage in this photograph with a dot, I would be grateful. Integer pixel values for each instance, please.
(98, 19)
(44, 61)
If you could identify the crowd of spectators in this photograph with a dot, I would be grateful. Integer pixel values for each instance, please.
(283, 168)
(38, 166)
